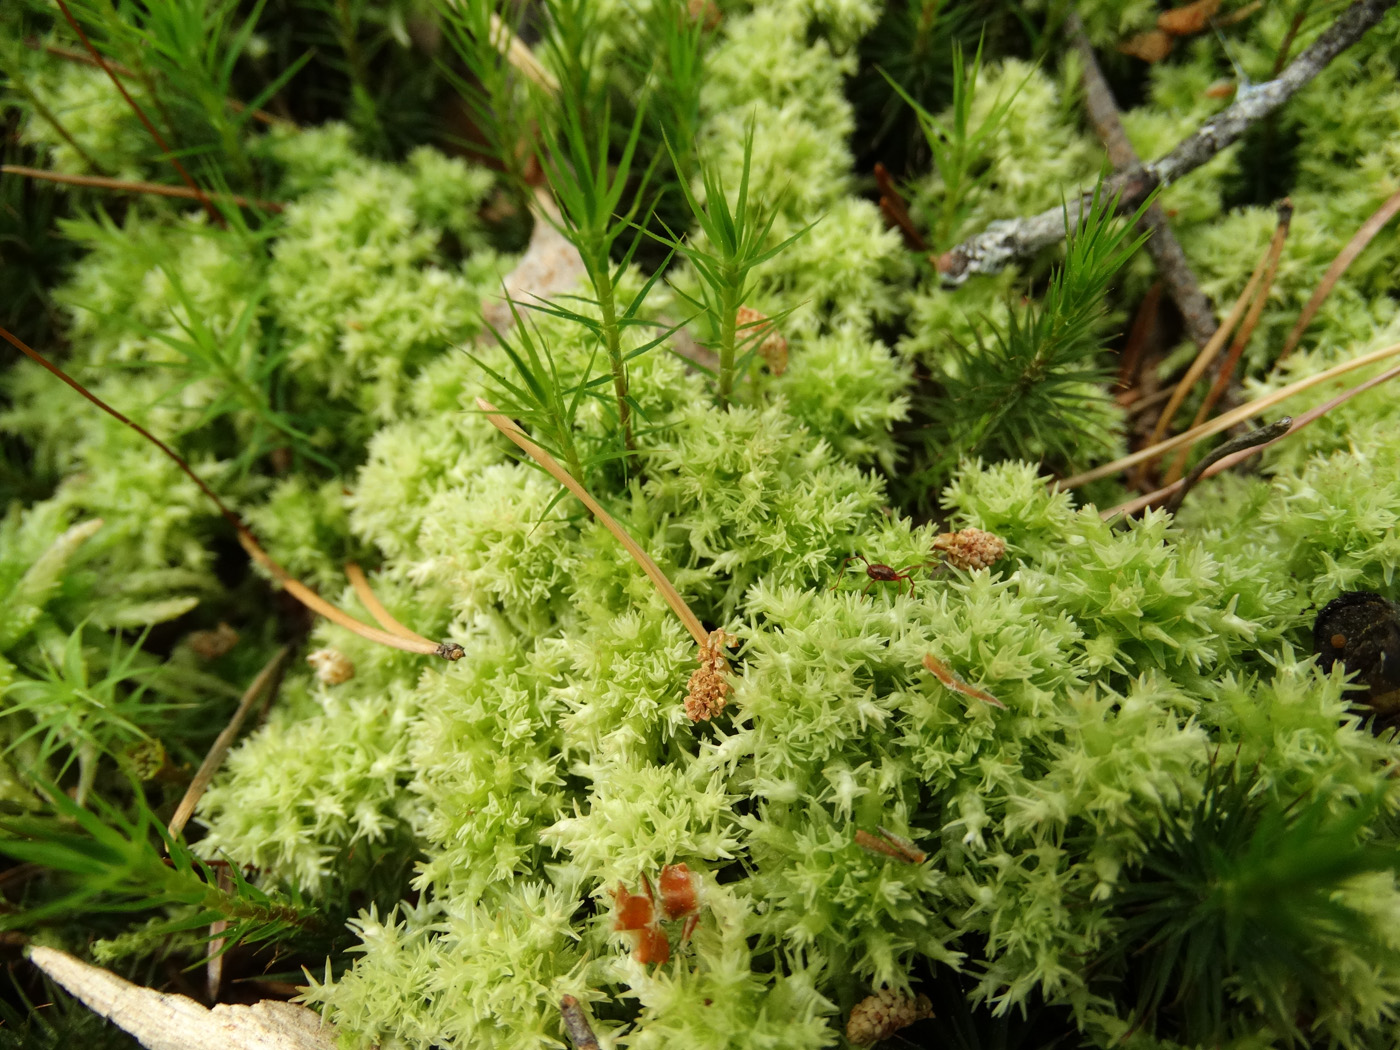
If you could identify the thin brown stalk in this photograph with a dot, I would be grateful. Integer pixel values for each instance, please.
(510, 429)
(214, 950)
(1133, 506)
(1144, 320)
(262, 116)
(1227, 420)
(1246, 331)
(1005, 241)
(1206, 356)
(102, 182)
(381, 615)
(1286, 45)
(265, 678)
(249, 542)
(185, 176)
(1344, 259)
(896, 214)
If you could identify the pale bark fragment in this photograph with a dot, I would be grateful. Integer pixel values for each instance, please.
(162, 1021)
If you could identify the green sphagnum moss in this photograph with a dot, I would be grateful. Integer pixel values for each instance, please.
(1177, 832)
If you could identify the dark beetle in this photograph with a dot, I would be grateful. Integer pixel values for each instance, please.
(1362, 630)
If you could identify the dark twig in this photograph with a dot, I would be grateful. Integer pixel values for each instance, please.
(1226, 371)
(185, 176)
(1261, 436)
(59, 51)
(1165, 249)
(1009, 239)
(576, 1024)
(894, 211)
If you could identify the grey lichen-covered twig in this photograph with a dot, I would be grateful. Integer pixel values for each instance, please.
(1009, 239)
(1165, 249)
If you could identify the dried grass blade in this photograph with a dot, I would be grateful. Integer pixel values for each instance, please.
(1310, 416)
(1227, 420)
(1344, 259)
(510, 429)
(381, 615)
(224, 741)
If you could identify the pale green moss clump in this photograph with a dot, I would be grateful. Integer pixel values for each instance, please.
(1116, 688)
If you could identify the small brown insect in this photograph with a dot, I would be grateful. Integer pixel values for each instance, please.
(879, 573)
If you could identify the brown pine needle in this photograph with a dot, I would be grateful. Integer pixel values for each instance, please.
(270, 672)
(381, 615)
(262, 116)
(101, 182)
(249, 542)
(1207, 355)
(1133, 506)
(185, 176)
(1242, 337)
(1227, 420)
(1344, 259)
(510, 429)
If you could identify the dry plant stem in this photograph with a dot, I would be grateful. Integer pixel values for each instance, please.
(214, 950)
(896, 213)
(1010, 239)
(945, 675)
(576, 1024)
(1344, 259)
(264, 679)
(1228, 419)
(1144, 320)
(519, 55)
(249, 542)
(1251, 320)
(101, 182)
(510, 429)
(1162, 246)
(1204, 358)
(262, 116)
(381, 615)
(1133, 506)
(200, 195)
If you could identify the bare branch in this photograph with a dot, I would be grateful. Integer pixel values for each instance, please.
(185, 176)
(1009, 239)
(1165, 249)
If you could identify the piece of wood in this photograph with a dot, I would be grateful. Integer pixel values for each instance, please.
(162, 1021)
(1007, 240)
